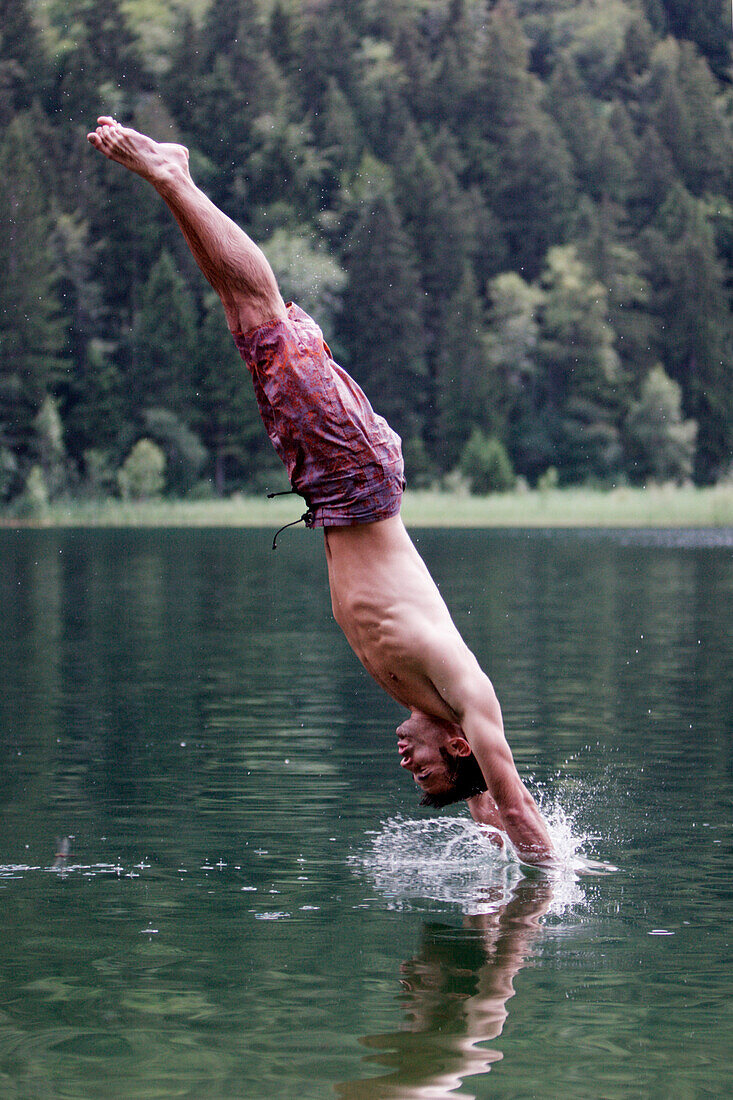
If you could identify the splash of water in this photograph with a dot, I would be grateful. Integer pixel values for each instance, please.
(454, 860)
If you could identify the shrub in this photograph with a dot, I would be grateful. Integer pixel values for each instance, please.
(548, 479)
(142, 474)
(660, 445)
(184, 452)
(32, 502)
(486, 464)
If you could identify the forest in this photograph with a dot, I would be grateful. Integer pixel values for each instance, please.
(512, 221)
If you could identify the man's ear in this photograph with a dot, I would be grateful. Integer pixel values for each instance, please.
(459, 746)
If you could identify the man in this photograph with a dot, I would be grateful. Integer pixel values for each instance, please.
(346, 462)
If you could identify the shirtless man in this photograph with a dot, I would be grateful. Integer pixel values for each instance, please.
(346, 462)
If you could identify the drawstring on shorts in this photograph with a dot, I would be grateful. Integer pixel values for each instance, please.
(307, 518)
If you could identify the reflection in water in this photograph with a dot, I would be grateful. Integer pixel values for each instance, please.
(455, 992)
(63, 849)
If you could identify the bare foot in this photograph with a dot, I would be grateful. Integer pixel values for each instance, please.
(154, 161)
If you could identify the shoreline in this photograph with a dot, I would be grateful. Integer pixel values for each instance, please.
(655, 507)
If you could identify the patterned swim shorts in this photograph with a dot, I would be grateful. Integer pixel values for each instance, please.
(343, 459)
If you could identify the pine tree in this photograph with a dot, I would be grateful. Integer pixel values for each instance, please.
(602, 166)
(31, 328)
(165, 343)
(690, 298)
(24, 69)
(686, 114)
(519, 400)
(101, 65)
(519, 157)
(227, 417)
(436, 216)
(707, 24)
(381, 324)
(579, 369)
(606, 246)
(465, 391)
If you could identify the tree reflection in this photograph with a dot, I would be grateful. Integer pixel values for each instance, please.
(455, 992)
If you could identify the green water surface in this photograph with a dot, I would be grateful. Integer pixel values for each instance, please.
(253, 905)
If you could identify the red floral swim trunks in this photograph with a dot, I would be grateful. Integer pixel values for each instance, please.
(343, 459)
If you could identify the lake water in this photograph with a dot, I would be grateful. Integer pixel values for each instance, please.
(253, 906)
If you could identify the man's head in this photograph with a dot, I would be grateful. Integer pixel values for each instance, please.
(440, 759)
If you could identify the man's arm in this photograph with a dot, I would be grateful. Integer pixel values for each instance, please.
(484, 811)
(460, 681)
(517, 809)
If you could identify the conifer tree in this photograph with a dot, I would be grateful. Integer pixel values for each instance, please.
(164, 365)
(707, 24)
(519, 397)
(579, 368)
(381, 324)
(520, 159)
(690, 298)
(686, 114)
(437, 218)
(605, 245)
(24, 69)
(31, 326)
(465, 392)
(227, 417)
(602, 166)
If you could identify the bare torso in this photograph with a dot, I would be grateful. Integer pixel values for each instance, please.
(392, 613)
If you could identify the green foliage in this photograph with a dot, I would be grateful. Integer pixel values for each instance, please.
(548, 480)
(503, 215)
(164, 342)
(99, 472)
(419, 470)
(31, 328)
(381, 322)
(33, 501)
(307, 274)
(465, 384)
(227, 418)
(142, 475)
(184, 453)
(486, 464)
(691, 300)
(660, 444)
(8, 471)
(707, 24)
(579, 368)
(49, 446)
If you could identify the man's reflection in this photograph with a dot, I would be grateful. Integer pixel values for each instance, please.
(455, 992)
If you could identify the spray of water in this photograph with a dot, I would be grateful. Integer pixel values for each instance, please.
(452, 860)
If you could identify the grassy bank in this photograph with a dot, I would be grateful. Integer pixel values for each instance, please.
(665, 506)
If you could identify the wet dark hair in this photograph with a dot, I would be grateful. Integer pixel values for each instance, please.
(466, 779)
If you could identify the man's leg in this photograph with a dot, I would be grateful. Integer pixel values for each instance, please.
(232, 263)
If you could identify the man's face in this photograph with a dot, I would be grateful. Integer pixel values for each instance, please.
(423, 744)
